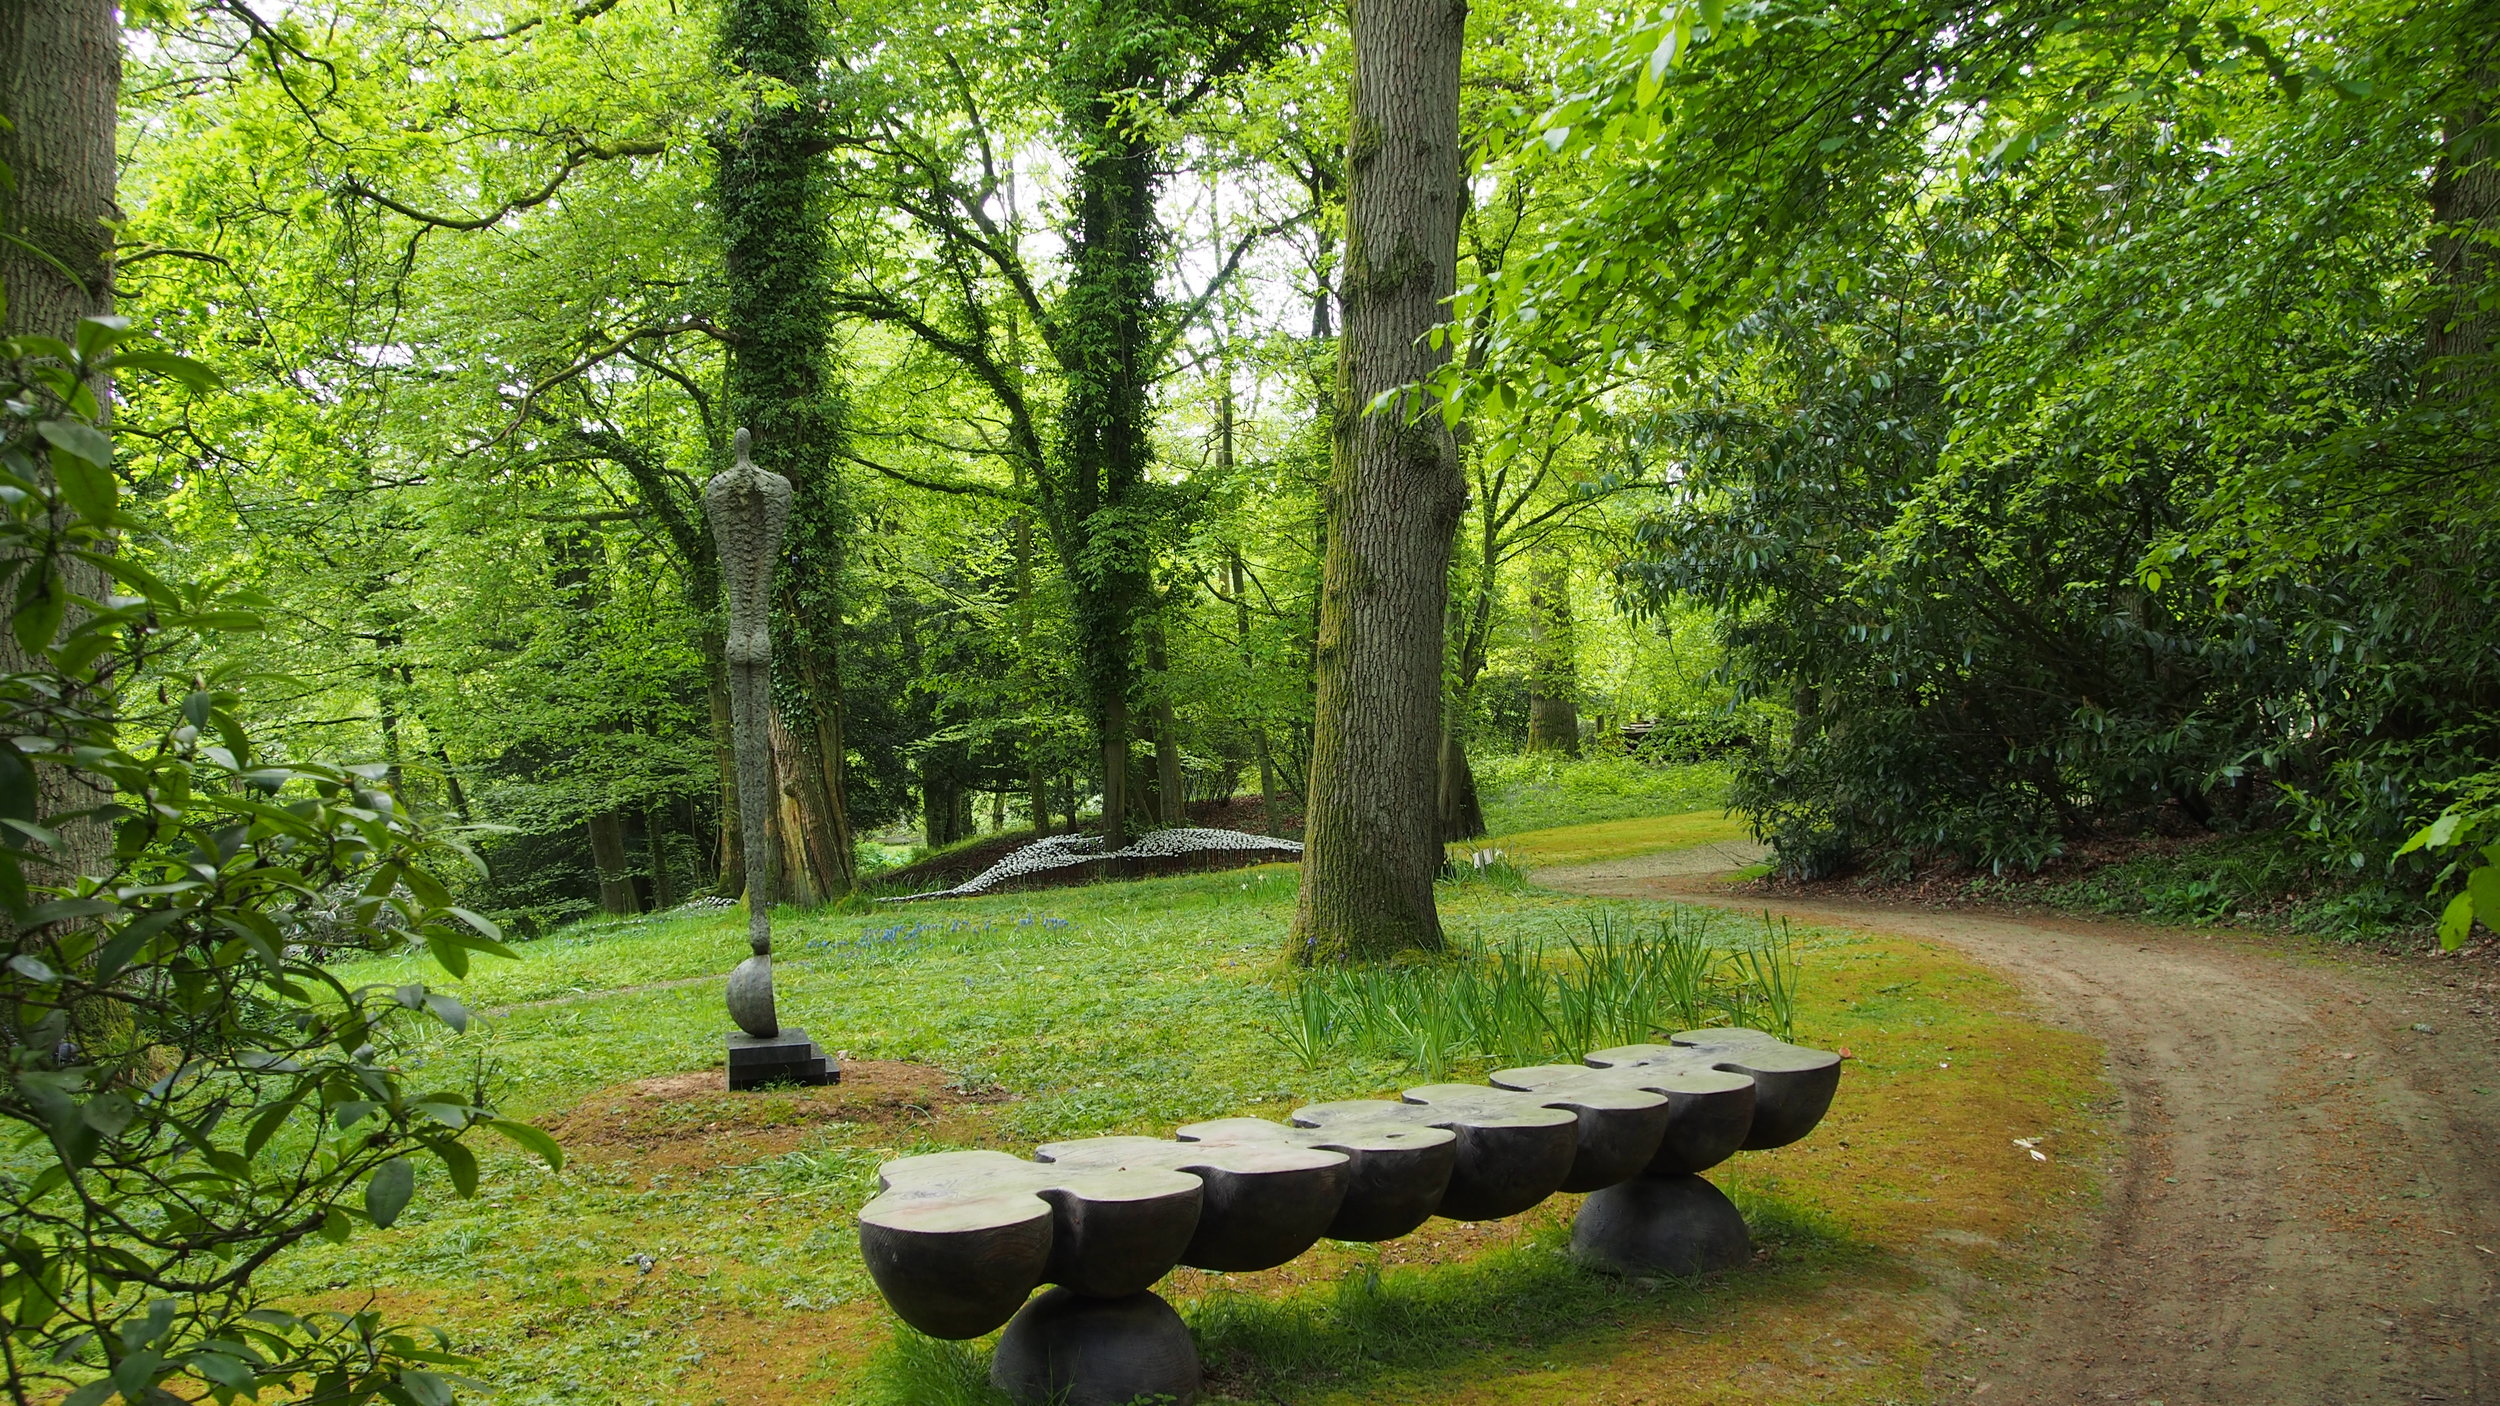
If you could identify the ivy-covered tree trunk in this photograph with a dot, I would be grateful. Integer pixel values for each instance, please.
(779, 314)
(1553, 656)
(1394, 498)
(1109, 313)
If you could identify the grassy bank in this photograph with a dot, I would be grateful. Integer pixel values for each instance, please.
(700, 1248)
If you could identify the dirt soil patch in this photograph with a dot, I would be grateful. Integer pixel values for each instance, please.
(691, 1122)
(2303, 1207)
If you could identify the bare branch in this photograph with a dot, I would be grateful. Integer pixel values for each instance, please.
(574, 160)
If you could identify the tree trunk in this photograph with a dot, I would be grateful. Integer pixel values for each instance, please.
(1372, 844)
(1462, 809)
(1036, 784)
(1112, 306)
(451, 784)
(655, 844)
(937, 811)
(1171, 793)
(1114, 775)
(824, 705)
(616, 870)
(60, 84)
(794, 877)
(776, 301)
(1553, 655)
(2465, 219)
(1249, 660)
(813, 868)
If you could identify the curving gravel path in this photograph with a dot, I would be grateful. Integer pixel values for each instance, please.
(2304, 1208)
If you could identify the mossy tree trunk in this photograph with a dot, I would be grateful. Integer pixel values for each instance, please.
(779, 312)
(1394, 498)
(1109, 320)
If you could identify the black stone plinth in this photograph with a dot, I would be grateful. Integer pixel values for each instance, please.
(1072, 1349)
(787, 1058)
(1679, 1225)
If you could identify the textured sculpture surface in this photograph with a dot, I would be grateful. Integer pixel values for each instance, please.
(748, 507)
(958, 1240)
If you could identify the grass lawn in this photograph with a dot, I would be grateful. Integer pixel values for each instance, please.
(1615, 839)
(1540, 790)
(701, 1247)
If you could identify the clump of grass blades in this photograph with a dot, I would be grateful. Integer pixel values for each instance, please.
(1609, 981)
(1484, 868)
(917, 1370)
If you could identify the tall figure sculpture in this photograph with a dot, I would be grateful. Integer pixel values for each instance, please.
(747, 507)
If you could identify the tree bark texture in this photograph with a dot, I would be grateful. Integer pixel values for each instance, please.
(616, 870)
(1553, 656)
(1095, 510)
(2465, 217)
(1171, 788)
(1370, 829)
(655, 846)
(60, 85)
(812, 868)
(1462, 807)
(824, 697)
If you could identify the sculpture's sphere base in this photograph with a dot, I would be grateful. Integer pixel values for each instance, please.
(751, 998)
(1068, 1347)
(1680, 1225)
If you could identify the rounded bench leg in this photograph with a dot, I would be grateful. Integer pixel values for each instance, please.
(1679, 1225)
(1073, 1348)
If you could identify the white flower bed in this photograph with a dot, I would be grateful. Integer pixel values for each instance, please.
(1068, 851)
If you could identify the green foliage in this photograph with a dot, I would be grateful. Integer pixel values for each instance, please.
(1612, 982)
(2080, 428)
(194, 1091)
(2470, 824)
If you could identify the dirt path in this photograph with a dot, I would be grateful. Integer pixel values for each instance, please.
(2304, 1205)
